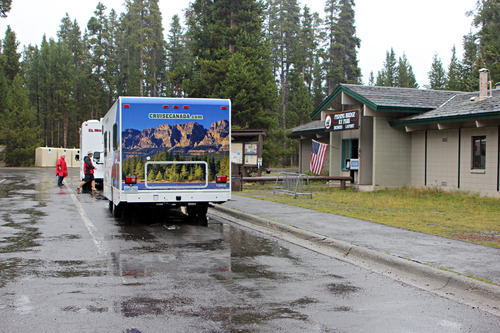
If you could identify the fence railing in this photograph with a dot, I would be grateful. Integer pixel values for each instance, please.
(292, 184)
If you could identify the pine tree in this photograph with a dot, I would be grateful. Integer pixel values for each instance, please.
(141, 62)
(5, 6)
(342, 59)
(455, 80)
(300, 104)
(232, 60)
(101, 43)
(437, 74)
(488, 22)
(405, 76)
(70, 86)
(284, 35)
(11, 65)
(19, 130)
(308, 39)
(371, 79)
(387, 77)
(178, 58)
(470, 67)
(318, 93)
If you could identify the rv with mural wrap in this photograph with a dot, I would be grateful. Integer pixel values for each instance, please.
(171, 152)
(91, 140)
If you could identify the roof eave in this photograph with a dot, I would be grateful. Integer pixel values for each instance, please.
(298, 134)
(448, 119)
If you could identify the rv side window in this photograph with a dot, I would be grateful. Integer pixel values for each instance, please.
(105, 144)
(115, 136)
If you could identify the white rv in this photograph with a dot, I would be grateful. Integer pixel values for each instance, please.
(91, 139)
(167, 151)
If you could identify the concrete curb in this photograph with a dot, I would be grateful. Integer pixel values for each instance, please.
(451, 285)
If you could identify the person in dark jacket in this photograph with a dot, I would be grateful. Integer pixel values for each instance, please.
(88, 169)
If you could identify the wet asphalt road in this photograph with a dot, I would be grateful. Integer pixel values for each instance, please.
(67, 265)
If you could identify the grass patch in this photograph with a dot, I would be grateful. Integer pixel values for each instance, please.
(457, 215)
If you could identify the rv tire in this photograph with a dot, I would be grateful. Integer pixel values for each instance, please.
(118, 210)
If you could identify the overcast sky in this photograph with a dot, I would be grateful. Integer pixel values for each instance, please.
(418, 28)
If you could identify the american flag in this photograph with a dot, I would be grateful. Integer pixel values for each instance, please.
(318, 153)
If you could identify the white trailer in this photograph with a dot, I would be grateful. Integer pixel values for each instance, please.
(91, 139)
(167, 151)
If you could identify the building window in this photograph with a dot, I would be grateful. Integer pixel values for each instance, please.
(478, 152)
(349, 151)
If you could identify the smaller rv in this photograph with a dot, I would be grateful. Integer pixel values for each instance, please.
(91, 140)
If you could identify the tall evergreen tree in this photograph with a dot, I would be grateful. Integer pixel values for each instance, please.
(232, 60)
(437, 74)
(11, 65)
(284, 35)
(455, 80)
(19, 131)
(5, 6)
(470, 66)
(71, 82)
(178, 58)
(308, 39)
(488, 22)
(318, 92)
(343, 44)
(405, 76)
(98, 37)
(387, 77)
(371, 79)
(101, 39)
(142, 61)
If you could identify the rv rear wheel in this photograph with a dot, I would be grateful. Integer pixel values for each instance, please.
(118, 210)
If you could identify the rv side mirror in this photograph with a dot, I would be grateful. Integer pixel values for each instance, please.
(77, 157)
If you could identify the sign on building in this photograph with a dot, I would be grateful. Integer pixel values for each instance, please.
(342, 121)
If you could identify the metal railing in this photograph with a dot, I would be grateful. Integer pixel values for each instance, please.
(292, 184)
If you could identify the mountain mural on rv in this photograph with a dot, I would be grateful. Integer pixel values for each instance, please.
(190, 138)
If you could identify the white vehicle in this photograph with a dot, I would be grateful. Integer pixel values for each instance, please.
(167, 151)
(91, 139)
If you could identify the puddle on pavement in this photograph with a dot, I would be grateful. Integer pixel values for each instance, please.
(141, 306)
(19, 214)
(342, 288)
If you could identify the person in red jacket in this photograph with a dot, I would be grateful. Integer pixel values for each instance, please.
(88, 169)
(61, 169)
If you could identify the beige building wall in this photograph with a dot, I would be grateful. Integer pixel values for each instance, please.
(305, 155)
(417, 158)
(335, 154)
(442, 158)
(391, 154)
(365, 174)
(476, 180)
(443, 166)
